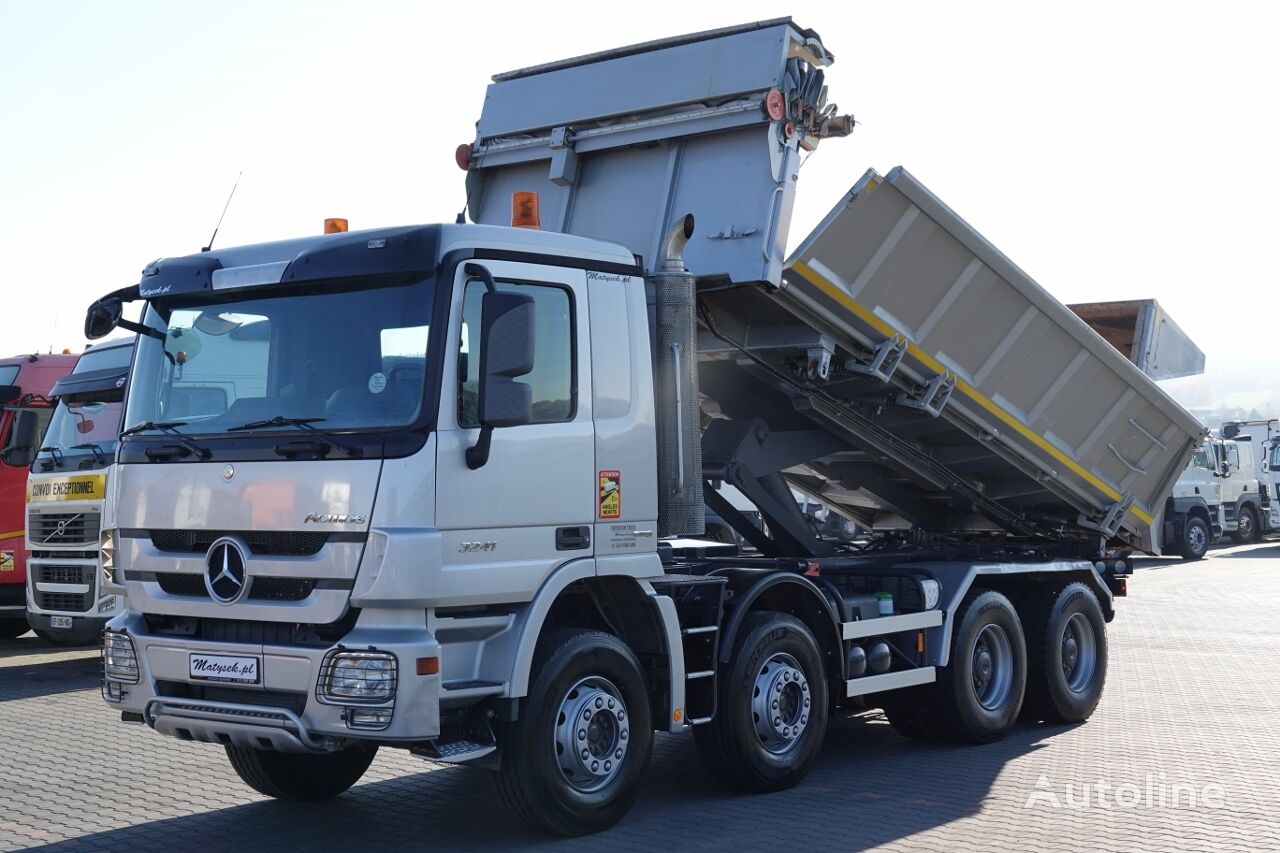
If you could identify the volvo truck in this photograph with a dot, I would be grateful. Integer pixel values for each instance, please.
(415, 487)
(26, 382)
(67, 603)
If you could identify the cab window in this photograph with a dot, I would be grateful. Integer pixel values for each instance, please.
(552, 378)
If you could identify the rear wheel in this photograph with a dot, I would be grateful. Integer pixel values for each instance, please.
(1248, 527)
(1067, 648)
(772, 707)
(1195, 539)
(12, 629)
(572, 763)
(305, 777)
(980, 692)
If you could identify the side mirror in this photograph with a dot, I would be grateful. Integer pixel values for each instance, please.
(506, 323)
(506, 352)
(102, 317)
(1230, 430)
(9, 393)
(22, 440)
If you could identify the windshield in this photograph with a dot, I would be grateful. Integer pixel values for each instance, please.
(1275, 456)
(82, 434)
(344, 358)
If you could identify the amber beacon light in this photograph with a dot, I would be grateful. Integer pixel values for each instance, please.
(335, 226)
(524, 210)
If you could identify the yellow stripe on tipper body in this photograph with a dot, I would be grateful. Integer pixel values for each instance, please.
(862, 313)
(12, 534)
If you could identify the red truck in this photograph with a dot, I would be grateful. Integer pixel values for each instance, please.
(25, 382)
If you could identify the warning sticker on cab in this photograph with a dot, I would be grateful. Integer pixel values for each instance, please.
(81, 487)
(610, 494)
(6, 561)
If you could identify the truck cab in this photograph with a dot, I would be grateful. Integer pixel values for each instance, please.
(26, 383)
(67, 603)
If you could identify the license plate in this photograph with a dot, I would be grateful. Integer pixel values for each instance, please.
(61, 621)
(244, 670)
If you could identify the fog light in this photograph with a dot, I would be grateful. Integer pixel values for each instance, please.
(932, 592)
(358, 676)
(119, 662)
(368, 718)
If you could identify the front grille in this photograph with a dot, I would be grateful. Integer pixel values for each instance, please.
(64, 528)
(67, 602)
(262, 588)
(182, 583)
(47, 573)
(281, 589)
(291, 543)
(252, 632)
(296, 702)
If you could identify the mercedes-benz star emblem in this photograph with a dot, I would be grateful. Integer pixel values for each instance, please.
(228, 471)
(225, 577)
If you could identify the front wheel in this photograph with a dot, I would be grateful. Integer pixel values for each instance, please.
(1195, 539)
(772, 707)
(304, 777)
(572, 763)
(1248, 527)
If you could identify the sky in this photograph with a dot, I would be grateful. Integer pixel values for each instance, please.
(1112, 150)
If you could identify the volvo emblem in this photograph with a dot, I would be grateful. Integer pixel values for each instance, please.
(228, 471)
(225, 577)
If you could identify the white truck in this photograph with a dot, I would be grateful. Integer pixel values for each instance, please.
(67, 603)
(1218, 494)
(1263, 437)
(432, 512)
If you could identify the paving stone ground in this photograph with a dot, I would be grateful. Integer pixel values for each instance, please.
(1192, 701)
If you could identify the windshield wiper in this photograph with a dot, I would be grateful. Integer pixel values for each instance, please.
(304, 423)
(95, 449)
(277, 421)
(55, 452)
(167, 427)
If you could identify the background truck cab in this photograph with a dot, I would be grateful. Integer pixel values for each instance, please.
(66, 499)
(25, 385)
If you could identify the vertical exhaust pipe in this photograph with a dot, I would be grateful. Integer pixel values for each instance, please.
(680, 506)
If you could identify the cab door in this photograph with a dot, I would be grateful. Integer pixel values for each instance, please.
(507, 525)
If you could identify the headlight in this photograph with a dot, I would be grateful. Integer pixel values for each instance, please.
(119, 662)
(358, 677)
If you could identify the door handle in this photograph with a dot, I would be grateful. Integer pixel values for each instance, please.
(573, 538)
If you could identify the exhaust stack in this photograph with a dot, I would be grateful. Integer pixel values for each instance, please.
(680, 506)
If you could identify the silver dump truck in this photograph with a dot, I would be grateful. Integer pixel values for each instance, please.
(417, 487)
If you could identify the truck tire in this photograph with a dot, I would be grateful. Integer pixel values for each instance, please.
(1195, 539)
(12, 629)
(302, 777)
(572, 763)
(771, 707)
(981, 690)
(1067, 650)
(1248, 527)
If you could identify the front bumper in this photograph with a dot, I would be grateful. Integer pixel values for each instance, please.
(81, 623)
(283, 711)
